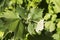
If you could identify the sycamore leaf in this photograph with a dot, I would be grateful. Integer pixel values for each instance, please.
(56, 6)
(10, 14)
(54, 17)
(56, 36)
(22, 12)
(36, 14)
(57, 20)
(31, 28)
(12, 25)
(47, 16)
(19, 31)
(49, 26)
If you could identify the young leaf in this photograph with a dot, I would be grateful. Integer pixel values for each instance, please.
(54, 17)
(56, 36)
(31, 28)
(47, 16)
(36, 14)
(50, 26)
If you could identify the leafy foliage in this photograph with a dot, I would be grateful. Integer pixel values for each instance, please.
(29, 20)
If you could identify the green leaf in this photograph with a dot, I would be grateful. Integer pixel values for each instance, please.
(56, 36)
(31, 28)
(2, 26)
(50, 8)
(2, 29)
(58, 25)
(54, 17)
(49, 26)
(22, 12)
(36, 14)
(52, 27)
(57, 6)
(58, 30)
(57, 20)
(47, 16)
(19, 31)
(4, 5)
(10, 15)
(12, 25)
